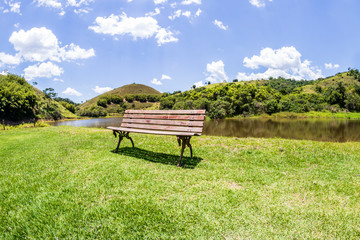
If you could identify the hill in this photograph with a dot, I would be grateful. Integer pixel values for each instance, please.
(339, 93)
(135, 96)
(22, 102)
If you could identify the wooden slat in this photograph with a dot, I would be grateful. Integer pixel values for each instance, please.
(154, 132)
(163, 128)
(166, 117)
(164, 122)
(173, 112)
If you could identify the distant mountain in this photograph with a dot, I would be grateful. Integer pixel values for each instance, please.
(107, 104)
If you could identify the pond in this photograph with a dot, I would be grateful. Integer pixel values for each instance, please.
(332, 130)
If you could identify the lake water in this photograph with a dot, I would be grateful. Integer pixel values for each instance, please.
(318, 130)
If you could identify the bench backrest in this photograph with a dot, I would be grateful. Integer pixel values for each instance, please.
(187, 121)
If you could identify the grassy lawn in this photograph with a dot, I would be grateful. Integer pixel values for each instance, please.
(66, 183)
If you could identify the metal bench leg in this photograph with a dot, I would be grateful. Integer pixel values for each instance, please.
(185, 141)
(128, 137)
(189, 145)
(121, 136)
(120, 139)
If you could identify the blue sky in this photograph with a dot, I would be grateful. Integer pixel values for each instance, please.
(82, 48)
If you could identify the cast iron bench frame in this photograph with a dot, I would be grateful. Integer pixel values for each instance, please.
(180, 123)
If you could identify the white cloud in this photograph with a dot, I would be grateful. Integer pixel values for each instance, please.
(160, 1)
(175, 15)
(156, 82)
(165, 36)
(188, 2)
(186, 14)
(198, 12)
(216, 72)
(73, 52)
(40, 44)
(49, 3)
(154, 13)
(71, 92)
(284, 62)
(165, 77)
(44, 70)
(141, 27)
(282, 58)
(61, 5)
(4, 73)
(13, 7)
(6, 59)
(331, 66)
(199, 84)
(101, 90)
(220, 24)
(259, 3)
(79, 3)
(179, 13)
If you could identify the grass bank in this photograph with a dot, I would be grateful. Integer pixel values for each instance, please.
(309, 115)
(65, 182)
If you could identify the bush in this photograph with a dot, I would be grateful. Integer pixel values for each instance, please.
(219, 109)
(94, 111)
(129, 98)
(102, 102)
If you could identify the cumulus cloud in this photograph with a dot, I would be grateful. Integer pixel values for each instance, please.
(331, 66)
(156, 82)
(216, 72)
(6, 59)
(100, 90)
(45, 70)
(188, 2)
(40, 44)
(284, 62)
(72, 92)
(259, 3)
(220, 25)
(141, 27)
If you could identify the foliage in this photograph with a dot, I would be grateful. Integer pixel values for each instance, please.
(49, 92)
(18, 99)
(272, 96)
(93, 111)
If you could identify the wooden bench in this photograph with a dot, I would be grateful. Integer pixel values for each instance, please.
(180, 123)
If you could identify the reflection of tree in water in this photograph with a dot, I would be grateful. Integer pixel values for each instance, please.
(320, 130)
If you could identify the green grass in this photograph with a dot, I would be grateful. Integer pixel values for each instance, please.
(313, 114)
(65, 182)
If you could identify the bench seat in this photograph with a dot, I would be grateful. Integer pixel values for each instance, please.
(152, 131)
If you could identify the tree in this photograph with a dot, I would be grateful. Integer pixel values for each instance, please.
(49, 92)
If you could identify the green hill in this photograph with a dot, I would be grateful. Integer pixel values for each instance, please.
(135, 96)
(339, 93)
(19, 101)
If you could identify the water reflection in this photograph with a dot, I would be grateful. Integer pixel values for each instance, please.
(319, 130)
